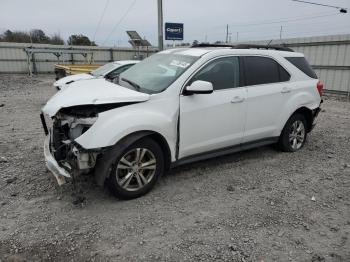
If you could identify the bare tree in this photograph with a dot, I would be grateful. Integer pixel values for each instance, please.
(56, 39)
(80, 40)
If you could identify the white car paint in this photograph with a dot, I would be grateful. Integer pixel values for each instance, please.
(196, 123)
(65, 81)
(152, 119)
(92, 92)
(195, 108)
(61, 83)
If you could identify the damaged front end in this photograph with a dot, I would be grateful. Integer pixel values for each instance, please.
(70, 113)
(64, 157)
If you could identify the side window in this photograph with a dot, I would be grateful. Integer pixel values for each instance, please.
(263, 70)
(284, 75)
(118, 71)
(303, 65)
(223, 73)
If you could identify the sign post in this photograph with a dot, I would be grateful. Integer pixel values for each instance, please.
(160, 25)
(174, 31)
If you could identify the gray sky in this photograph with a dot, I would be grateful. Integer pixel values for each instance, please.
(203, 19)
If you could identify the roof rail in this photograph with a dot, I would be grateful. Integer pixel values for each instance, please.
(247, 46)
(274, 47)
(212, 45)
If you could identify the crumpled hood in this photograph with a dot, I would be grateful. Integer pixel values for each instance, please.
(73, 78)
(92, 92)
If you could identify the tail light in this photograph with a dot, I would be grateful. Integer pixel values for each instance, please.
(320, 87)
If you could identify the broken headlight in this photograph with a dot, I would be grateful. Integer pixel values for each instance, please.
(77, 126)
(66, 129)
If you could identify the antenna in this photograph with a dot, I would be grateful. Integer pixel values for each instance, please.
(269, 44)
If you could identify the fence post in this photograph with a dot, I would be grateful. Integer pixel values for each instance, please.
(111, 55)
(35, 70)
(71, 57)
(28, 63)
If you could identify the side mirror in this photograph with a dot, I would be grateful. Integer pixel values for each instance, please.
(110, 76)
(116, 79)
(199, 87)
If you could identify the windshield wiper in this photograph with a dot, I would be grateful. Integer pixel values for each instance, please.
(133, 84)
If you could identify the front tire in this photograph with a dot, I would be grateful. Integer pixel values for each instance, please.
(294, 133)
(135, 171)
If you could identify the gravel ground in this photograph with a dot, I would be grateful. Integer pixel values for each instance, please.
(258, 205)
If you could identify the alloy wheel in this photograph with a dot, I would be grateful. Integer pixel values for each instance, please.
(136, 169)
(297, 135)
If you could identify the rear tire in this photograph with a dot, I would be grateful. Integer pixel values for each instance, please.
(294, 133)
(135, 170)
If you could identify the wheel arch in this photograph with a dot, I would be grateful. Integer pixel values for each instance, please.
(101, 167)
(307, 113)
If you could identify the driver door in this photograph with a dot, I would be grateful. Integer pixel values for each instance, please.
(213, 121)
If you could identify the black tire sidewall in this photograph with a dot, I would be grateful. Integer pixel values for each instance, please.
(112, 183)
(284, 143)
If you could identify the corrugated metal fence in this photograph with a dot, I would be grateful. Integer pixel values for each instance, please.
(13, 59)
(329, 55)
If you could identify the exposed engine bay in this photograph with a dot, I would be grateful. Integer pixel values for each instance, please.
(67, 125)
(68, 154)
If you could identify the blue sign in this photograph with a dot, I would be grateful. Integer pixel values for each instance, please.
(174, 31)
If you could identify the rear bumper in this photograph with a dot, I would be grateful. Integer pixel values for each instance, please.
(51, 163)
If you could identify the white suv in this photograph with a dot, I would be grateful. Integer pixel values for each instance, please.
(179, 106)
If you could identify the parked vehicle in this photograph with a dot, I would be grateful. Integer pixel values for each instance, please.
(179, 106)
(62, 70)
(109, 71)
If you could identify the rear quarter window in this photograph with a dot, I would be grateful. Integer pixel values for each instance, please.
(303, 65)
(263, 70)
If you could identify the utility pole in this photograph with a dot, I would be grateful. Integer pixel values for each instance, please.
(226, 34)
(160, 25)
(281, 33)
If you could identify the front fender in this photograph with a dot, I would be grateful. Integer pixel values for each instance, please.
(113, 125)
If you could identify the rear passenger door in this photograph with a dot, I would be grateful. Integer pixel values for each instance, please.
(268, 89)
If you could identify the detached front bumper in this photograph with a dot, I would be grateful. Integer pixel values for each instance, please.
(51, 163)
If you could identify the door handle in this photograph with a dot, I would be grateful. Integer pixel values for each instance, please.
(237, 99)
(286, 90)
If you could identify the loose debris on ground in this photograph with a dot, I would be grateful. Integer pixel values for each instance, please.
(259, 205)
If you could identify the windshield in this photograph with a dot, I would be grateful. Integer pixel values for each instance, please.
(156, 73)
(102, 70)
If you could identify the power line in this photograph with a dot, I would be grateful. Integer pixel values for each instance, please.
(273, 20)
(341, 9)
(297, 33)
(273, 28)
(243, 31)
(119, 21)
(101, 17)
(287, 20)
(293, 32)
(286, 28)
(260, 35)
